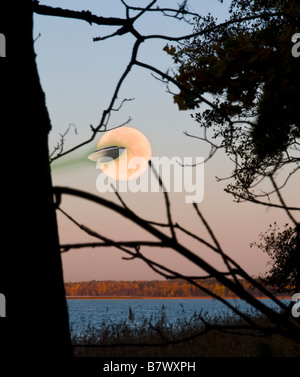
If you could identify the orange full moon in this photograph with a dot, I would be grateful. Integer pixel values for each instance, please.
(133, 161)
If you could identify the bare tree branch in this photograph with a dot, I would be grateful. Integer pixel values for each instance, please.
(284, 206)
(60, 145)
(285, 327)
(132, 244)
(160, 269)
(213, 28)
(267, 204)
(106, 113)
(83, 15)
(167, 201)
(173, 12)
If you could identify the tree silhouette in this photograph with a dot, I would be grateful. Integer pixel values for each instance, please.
(38, 319)
(247, 67)
(281, 246)
(39, 201)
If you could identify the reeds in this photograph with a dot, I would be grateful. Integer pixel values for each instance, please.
(187, 337)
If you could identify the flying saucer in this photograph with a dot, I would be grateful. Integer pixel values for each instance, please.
(111, 152)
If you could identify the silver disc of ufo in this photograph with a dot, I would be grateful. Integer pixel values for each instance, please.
(106, 153)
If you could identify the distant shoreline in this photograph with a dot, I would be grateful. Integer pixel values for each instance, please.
(162, 298)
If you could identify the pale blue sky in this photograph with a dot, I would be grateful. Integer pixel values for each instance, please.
(79, 77)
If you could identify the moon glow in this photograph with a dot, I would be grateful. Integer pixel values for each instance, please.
(133, 161)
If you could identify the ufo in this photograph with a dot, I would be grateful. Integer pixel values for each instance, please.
(106, 153)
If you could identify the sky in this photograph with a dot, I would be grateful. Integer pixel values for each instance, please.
(79, 77)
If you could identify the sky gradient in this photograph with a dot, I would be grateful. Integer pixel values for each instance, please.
(79, 77)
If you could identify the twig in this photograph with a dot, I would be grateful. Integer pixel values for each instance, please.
(60, 145)
(167, 201)
(218, 246)
(284, 206)
(253, 200)
(39, 35)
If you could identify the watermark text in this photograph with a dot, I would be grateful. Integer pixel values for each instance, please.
(177, 175)
(296, 46)
(296, 306)
(2, 305)
(2, 46)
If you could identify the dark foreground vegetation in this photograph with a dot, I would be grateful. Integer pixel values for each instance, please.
(158, 338)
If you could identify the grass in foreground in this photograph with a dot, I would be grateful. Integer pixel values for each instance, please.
(129, 339)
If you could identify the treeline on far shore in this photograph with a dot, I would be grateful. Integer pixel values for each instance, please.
(153, 288)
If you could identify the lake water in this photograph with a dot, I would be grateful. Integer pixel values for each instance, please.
(96, 312)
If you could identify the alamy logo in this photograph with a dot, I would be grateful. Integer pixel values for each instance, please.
(296, 47)
(296, 306)
(2, 46)
(2, 305)
(177, 175)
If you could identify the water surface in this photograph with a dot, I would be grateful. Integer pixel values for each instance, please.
(91, 312)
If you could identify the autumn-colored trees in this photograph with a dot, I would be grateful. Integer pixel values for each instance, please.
(145, 288)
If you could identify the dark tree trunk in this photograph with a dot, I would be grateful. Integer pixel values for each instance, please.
(37, 315)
